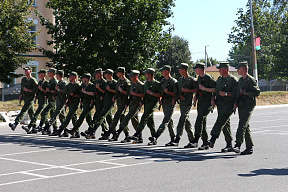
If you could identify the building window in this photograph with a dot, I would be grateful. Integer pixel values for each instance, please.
(32, 30)
(34, 65)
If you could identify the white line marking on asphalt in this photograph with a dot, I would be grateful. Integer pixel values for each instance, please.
(27, 152)
(36, 175)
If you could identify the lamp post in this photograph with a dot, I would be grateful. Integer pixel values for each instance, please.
(254, 59)
(206, 56)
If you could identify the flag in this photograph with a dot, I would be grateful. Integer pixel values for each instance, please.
(257, 43)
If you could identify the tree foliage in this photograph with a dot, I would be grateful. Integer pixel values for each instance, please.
(176, 52)
(15, 38)
(210, 61)
(90, 34)
(268, 19)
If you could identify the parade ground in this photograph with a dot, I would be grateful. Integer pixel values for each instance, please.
(42, 163)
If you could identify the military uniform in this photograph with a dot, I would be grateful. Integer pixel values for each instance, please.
(51, 106)
(134, 108)
(28, 97)
(42, 102)
(168, 105)
(121, 99)
(60, 104)
(225, 105)
(88, 103)
(150, 104)
(108, 106)
(246, 105)
(203, 108)
(72, 103)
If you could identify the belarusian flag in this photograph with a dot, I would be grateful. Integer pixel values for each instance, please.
(257, 43)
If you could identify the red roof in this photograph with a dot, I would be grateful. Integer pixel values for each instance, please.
(214, 69)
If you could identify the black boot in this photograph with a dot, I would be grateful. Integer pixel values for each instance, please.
(247, 151)
(105, 136)
(228, 147)
(175, 142)
(114, 137)
(153, 141)
(33, 130)
(65, 134)
(212, 141)
(204, 146)
(13, 126)
(76, 135)
(237, 148)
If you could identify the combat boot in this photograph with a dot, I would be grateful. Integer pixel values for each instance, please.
(247, 151)
(13, 126)
(65, 134)
(191, 145)
(114, 137)
(228, 148)
(204, 146)
(33, 130)
(27, 128)
(105, 136)
(175, 142)
(76, 135)
(211, 142)
(153, 141)
(237, 148)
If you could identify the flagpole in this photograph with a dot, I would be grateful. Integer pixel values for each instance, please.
(254, 58)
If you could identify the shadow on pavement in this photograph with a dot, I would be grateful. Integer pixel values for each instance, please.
(116, 149)
(274, 172)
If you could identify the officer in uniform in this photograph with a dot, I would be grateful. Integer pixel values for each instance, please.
(206, 87)
(61, 97)
(121, 96)
(226, 88)
(136, 93)
(88, 104)
(152, 93)
(73, 99)
(247, 91)
(41, 95)
(187, 86)
(169, 91)
(28, 90)
(51, 106)
(108, 105)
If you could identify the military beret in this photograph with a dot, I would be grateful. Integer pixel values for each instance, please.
(223, 64)
(42, 71)
(120, 69)
(166, 67)
(60, 72)
(52, 70)
(242, 64)
(134, 73)
(86, 75)
(27, 68)
(183, 66)
(149, 70)
(73, 73)
(199, 65)
(99, 70)
(109, 71)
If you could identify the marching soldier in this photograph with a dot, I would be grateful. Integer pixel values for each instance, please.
(226, 88)
(169, 91)
(108, 106)
(186, 85)
(88, 103)
(73, 99)
(136, 93)
(60, 90)
(206, 87)
(28, 90)
(247, 91)
(152, 92)
(41, 95)
(121, 96)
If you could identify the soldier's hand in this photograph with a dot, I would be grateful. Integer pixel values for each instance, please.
(243, 92)
(149, 92)
(132, 93)
(40, 88)
(83, 90)
(101, 98)
(120, 89)
(235, 106)
(97, 85)
(173, 102)
(194, 98)
(25, 89)
(213, 103)
(201, 87)
(47, 89)
(72, 94)
(182, 97)
(221, 93)
(160, 102)
(108, 88)
(113, 100)
(166, 90)
(20, 97)
(183, 89)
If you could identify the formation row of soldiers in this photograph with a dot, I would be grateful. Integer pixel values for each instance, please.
(227, 93)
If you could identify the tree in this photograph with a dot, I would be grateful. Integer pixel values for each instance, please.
(176, 52)
(268, 16)
(91, 34)
(15, 38)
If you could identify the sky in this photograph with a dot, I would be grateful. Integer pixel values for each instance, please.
(206, 22)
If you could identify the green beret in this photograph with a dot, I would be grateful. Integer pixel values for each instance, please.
(99, 70)
(73, 74)
(166, 67)
(52, 70)
(27, 68)
(120, 69)
(109, 71)
(199, 65)
(60, 72)
(134, 73)
(223, 64)
(42, 71)
(149, 70)
(183, 66)
(86, 75)
(242, 64)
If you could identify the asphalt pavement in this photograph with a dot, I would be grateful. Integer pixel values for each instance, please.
(43, 163)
